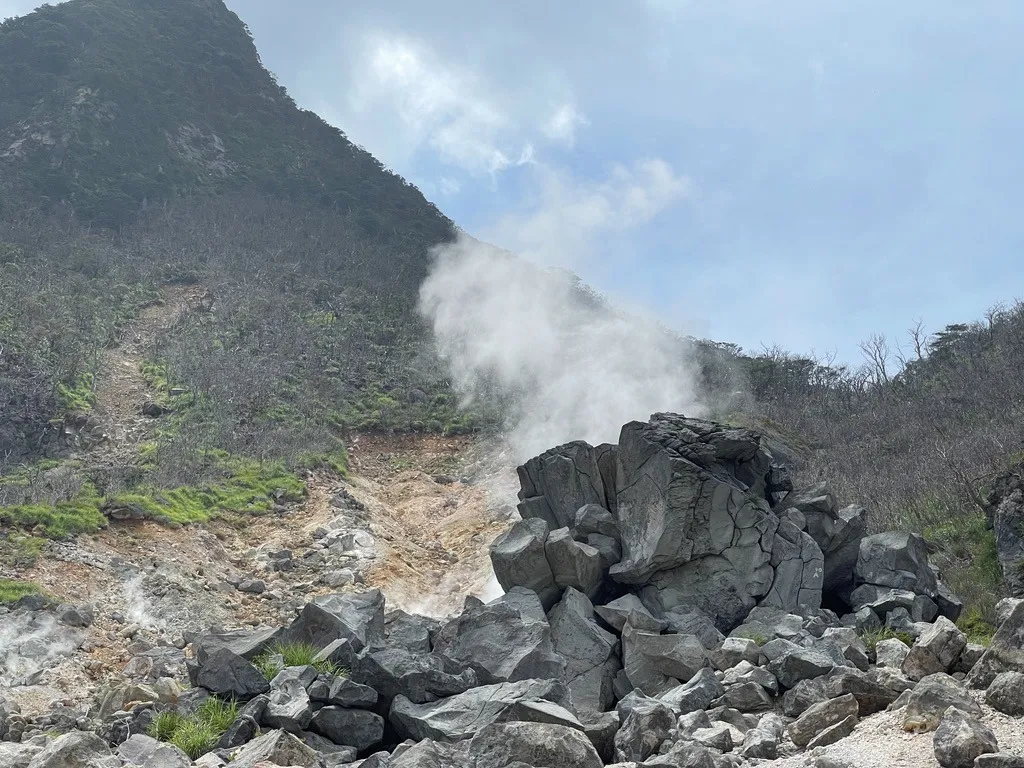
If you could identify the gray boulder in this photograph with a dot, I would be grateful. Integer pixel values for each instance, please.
(573, 564)
(143, 750)
(589, 651)
(655, 663)
(821, 716)
(554, 485)
(71, 749)
(519, 559)
(461, 716)
(344, 692)
(592, 518)
(501, 644)
(500, 745)
(935, 651)
(799, 569)
(349, 727)
(695, 694)
(419, 678)
(871, 694)
(896, 559)
(800, 664)
(646, 724)
(734, 650)
(242, 642)
(289, 707)
(891, 653)
(1005, 514)
(1005, 653)
(1006, 693)
(837, 532)
(999, 760)
(931, 697)
(961, 738)
(231, 676)
(746, 697)
(276, 748)
(354, 616)
(617, 611)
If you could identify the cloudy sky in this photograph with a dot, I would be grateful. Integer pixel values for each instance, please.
(804, 173)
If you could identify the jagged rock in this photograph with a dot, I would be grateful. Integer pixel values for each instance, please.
(554, 485)
(695, 694)
(231, 676)
(243, 729)
(800, 664)
(617, 611)
(646, 723)
(891, 653)
(539, 712)
(969, 656)
(71, 749)
(834, 733)
(1005, 607)
(276, 748)
(1006, 693)
(518, 558)
(803, 695)
(459, 717)
(746, 697)
(573, 564)
(500, 644)
(242, 642)
(949, 604)
(1005, 515)
(864, 620)
(600, 728)
(718, 736)
(872, 696)
(837, 532)
(745, 672)
(589, 651)
(691, 521)
(734, 650)
(821, 716)
(143, 750)
(349, 727)
(608, 550)
(931, 697)
(346, 693)
(799, 569)
(1005, 653)
(409, 632)
(763, 741)
(17, 755)
(694, 623)
(934, 651)
(881, 600)
(999, 760)
(526, 601)
(896, 559)
(960, 739)
(592, 518)
(655, 663)
(356, 617)
(419, 678)
(289, 707)
(499, 745)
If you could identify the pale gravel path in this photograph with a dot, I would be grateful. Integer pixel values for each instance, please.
(879, 741)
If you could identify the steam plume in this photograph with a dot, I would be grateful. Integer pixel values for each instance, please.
(567, 365)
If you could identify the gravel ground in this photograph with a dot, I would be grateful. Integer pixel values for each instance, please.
(879, 741)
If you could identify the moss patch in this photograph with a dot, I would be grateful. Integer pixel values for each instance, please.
(12, 590)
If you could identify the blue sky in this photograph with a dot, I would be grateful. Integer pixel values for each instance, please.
(801, 173)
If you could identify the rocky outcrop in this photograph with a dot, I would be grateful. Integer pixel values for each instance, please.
(1004, 512)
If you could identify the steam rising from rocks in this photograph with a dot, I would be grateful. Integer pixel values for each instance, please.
(565, 364)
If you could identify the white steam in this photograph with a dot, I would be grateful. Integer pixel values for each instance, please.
(566, 365)
(30, 644)
(137, 606)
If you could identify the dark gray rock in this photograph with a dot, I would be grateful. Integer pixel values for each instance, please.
(934, 651)
(617, 611)
(608, 549)
(695, 694)
(350, 727)
(356, 617)
(276, 748)
(554, 485)
(500, 644)
(461, 716)
(573, 564)
(896, 559)
(289, 707)
(999, 760)
(72, 749)
(1005, 513)
(655, 663)
(871, 695)
(646, 724)
(228, 675)
(961, 738)
(346, 693)
(519, 559)
(419, 678)
(931, 697)
(746, 697)
(800, 664)
(244, 729)
(821, 716)
(1006, 693)
(500, 745)
(837, 532)
(147, 751)
(803, 695)
(1005, 653)
(591, 661)
(409, 632)
(592, 518)
(242, 642)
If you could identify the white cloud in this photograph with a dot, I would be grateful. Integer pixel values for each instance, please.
(449, 186)
(565, 220)
(562, 125)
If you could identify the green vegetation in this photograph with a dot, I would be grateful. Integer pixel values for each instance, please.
(78, 396)
(79, 514)
(976, 627)
(12, 590)
(197, 733)
(874, 637)
(282, 655)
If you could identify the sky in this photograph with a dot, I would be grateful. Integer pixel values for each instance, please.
(760, 172)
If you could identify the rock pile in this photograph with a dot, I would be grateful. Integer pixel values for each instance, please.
(663, 607)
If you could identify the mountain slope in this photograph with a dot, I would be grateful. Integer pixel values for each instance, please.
(111, 104)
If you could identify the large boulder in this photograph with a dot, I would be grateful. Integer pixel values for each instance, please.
(519, 558)
(229, 675)
(500, 643)
(1006, 693)
(1005, 514)
(961, 738)
(896, 559)
(935, 650)
(500, 745)
(275, 748)
(247, 643)
(646, 724)
(419, 677)
(931, 697)
(356, 617)
(349, 727)
(821, 716)
(554, 485)
(837, 532)
(147, 751)
(655, 663)
(461, 716)
(589, 651)
(1004, 654)
(573, 564)
(71, 749)
(799, 569)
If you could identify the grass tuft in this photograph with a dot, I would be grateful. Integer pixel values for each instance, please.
(195, 734)
(875, 636)
(12, 590)
(282, 655)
